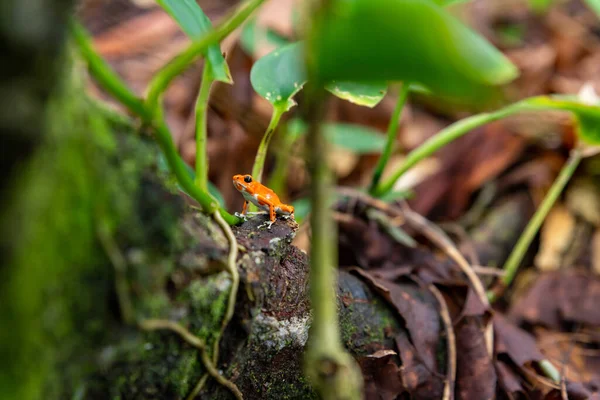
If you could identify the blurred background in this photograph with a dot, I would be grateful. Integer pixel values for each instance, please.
(488, 182)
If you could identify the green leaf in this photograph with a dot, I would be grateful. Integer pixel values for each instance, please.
(356, 138)
(163, 166)
(196, 24)
(594, 5)
(301, 209)
(445, 3)
(279, 75)
(252, 36)
(540, 5)
(587, 116)
(405, 40)
(367, 94)
(390, 197)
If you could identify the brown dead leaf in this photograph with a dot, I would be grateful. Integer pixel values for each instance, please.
(577, 354)
(383, 378)
(475, 374)
(583, 199)
(417, 307)
(557, 297)
(422, 383)
(555, 238)
(514, 342)
(466, 164)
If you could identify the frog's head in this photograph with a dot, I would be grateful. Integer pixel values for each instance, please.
(241, 182)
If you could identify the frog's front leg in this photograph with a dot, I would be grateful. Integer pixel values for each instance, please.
(244, 211)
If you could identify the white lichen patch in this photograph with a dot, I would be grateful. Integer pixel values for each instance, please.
(279, 333)
(274, 243)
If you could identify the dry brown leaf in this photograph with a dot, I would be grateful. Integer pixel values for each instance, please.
(555, 238)
(555, 298)
(583, 199)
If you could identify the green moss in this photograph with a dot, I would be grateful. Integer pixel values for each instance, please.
(206, 302)
(56, 293)
(364, 318)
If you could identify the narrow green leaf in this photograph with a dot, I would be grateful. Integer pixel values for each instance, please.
(405, 40)
(390, 197)
(212, 189)
(367, 94)
(196, 24)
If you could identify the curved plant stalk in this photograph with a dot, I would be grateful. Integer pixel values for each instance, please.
(189, 337)
(113, 84)
(261, 154)
(179, 63)
(235, 278)
(201, 135)
(235, 283)
(516, 256)
(445, 136)
(109, 80)
(208, 203)
(392, 132)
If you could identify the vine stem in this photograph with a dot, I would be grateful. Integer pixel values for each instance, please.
(516, 256)
(392, 132)
(261, 154)
(113, 84)
(109, 80)
(201, 134)
(189, 337)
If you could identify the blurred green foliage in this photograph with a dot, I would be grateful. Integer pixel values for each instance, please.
(405, 40)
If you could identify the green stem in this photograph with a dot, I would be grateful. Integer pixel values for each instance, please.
(104, 74)
(392, 132)
(331, 370)
(208, 203)
(261, 153)
(278, 178)
(113, 84)
(514, 260)
(201, 136)
(444, 137)
(177, 65)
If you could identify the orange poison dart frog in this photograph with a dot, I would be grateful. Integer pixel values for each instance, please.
(262, 197)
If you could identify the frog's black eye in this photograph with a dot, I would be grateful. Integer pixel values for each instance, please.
(247, 179)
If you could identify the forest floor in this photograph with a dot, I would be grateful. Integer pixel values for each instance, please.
(481, 190)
